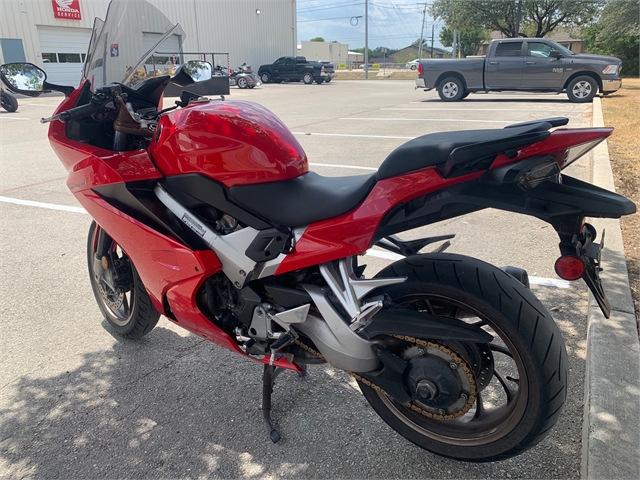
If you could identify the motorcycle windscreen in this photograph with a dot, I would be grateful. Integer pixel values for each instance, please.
(121, 52)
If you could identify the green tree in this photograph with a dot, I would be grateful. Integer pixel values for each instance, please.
(470, 39)
(617, 33)
(317, 39)
(540, 17)
(405, 57)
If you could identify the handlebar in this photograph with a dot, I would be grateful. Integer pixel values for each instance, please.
(73, 114)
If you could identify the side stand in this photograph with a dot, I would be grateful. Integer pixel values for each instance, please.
(268, 379)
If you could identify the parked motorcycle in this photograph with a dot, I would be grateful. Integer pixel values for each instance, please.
(8, 101)
(243, 77)
(210, 216)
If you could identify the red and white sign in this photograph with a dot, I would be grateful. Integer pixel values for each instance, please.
(69, 9)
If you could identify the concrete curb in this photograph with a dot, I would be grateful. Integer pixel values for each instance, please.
(611, 428)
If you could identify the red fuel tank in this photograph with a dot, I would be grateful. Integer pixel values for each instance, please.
(233, 142)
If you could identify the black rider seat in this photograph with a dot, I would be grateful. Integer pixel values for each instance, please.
(311, 197)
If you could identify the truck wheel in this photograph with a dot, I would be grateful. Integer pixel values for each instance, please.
(451, 89)
(266, 77)
(582, 89)
(307, 78)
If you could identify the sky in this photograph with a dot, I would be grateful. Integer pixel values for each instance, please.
(392, 23)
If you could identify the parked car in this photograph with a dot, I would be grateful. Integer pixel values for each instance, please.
(370, 67)
(294, 69)
(530, 64)
(413, 64)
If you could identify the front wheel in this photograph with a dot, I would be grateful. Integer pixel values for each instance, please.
(582, 89)
(266, 77)
(242, 82)
(451, 89)
(473, 402)
(117, 287)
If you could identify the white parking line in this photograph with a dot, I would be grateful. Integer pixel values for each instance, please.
(349, 135)
(4, 117)
(529, 110)
(429, 120)
(545, 282)
(50, 206)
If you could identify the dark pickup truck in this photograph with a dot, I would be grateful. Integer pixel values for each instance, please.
(523, 64)
(294, 69)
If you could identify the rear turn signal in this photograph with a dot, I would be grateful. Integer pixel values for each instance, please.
(420, 69)
(569, 267)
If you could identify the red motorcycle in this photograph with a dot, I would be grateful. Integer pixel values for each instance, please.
(207, 213)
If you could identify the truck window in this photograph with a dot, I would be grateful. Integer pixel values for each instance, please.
(509, 49)
(538, 49)
(289, 61)
(279, 61)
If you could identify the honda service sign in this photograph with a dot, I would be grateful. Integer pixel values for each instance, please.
(69, 9)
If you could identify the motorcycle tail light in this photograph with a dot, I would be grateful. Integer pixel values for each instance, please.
(569, 267)
(570, 155)
(548, 171)
(420, 69)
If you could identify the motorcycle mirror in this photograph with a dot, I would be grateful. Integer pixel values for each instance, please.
(191, 72)
(24, 78)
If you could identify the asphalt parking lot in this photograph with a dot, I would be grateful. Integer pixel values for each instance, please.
(78, 402)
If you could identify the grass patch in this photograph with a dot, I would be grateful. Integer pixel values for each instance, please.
(620, 111)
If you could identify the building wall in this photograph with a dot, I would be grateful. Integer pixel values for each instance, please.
(230, 26)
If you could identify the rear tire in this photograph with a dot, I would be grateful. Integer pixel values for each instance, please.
(582, 89)
(307, 78)
(469, 289)
(242, 83)
(451, 89)
(135, 316)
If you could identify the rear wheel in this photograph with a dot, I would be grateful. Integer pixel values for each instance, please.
(242, 82)
(118, 289)
(451, 89)
(307, 78)
(474, 402)
(9, 102)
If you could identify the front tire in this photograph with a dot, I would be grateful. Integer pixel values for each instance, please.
(582, 89)
(524, 394)
(451, 89)
(266, 77)
(131, 313)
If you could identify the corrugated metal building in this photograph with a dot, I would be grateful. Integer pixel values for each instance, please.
(251, 31)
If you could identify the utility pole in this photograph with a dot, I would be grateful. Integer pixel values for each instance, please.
(366, 39)
(455, 43)
(424, 12)
(433, 29)
(518, 16)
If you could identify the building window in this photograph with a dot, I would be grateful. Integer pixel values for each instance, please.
(69, 58)
(49, 58)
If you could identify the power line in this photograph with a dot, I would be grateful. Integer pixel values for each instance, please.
(329, 6)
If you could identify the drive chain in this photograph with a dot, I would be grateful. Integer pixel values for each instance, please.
(459, 361)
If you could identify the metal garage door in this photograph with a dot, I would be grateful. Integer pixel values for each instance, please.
(63, 52)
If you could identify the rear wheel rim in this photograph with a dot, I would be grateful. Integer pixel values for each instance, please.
(482, 424)
(582, 89)
(265, 77)
(242, 82)
(450, 89)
